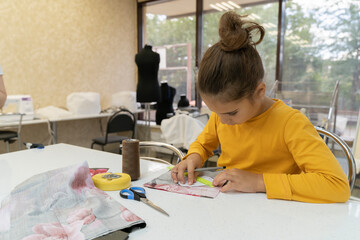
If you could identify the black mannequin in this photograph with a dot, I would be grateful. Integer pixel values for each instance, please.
(165, 105)
(148, 66)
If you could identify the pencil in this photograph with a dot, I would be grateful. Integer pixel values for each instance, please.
(209, 169)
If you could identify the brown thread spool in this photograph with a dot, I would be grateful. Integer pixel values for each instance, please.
(131, 158)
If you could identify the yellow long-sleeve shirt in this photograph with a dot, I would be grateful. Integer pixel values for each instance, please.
(282, 144)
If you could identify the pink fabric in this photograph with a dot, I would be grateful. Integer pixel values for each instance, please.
(62, 204)
(165, 183)
(97, 171)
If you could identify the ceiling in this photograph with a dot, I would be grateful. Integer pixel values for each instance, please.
(174, 8)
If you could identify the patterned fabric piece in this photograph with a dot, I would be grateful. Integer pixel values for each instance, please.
(62, 204)
(165, 183)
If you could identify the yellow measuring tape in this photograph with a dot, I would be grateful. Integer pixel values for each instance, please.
(112, 181)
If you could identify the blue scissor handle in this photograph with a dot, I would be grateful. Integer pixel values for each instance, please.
(138, 190)
(126, 193)
(134, 193)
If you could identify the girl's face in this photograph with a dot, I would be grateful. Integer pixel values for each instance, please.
(238, 111)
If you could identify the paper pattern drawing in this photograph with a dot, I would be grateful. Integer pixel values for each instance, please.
(197, 183)
(62, 204)
(165, 182)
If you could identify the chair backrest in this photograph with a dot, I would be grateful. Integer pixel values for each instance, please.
(153, 144)
(331, 116)
(121, 121)
(348, 163)
(174, 149)
(11, 121)
(181, 130)
(204, 118)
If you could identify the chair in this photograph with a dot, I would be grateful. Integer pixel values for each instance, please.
(204, 118)
(349, 160)
(154, 144)
(121, 121)
(175, 150)
(330, 121)
(181, 130)
(11, 121)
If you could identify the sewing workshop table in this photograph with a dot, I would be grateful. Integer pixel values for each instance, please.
(54, 121)
(228, 216)
(23, 123)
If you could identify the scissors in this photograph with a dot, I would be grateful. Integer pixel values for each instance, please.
(138, 194)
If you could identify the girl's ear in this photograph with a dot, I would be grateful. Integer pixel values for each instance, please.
(260, 90)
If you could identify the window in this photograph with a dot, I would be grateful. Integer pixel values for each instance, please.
(261, 13)
(321, 47)
(173, 37)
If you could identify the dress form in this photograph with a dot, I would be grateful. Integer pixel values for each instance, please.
(148, 89)
(165, 105)
(148, 66)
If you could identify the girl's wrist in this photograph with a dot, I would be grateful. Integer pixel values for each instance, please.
(260, 184)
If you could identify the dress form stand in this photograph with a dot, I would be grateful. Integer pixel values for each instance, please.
(147, 134)
(165, 104)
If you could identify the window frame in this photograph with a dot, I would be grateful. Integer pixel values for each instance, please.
(199, 36)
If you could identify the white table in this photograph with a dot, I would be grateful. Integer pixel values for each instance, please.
(54, 121)
(24, 122)
(228, 216)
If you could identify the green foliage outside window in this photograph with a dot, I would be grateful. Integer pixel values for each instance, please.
(322, 45)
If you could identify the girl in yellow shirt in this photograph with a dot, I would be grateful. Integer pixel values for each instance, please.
(266, 145)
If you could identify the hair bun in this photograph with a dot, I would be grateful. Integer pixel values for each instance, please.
(236, 33)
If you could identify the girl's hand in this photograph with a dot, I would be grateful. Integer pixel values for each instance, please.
(239, 180)
(190, 163)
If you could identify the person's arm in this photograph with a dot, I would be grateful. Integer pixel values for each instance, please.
(198, 153)
(3, 94)
(322, 178)
(239, 180)
(207, 141)
(190, 163)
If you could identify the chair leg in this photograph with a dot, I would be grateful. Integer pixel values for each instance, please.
(172, 157)
(102, 147)
(7, 146)
(19, 142)
(92, 145)
(206, 163)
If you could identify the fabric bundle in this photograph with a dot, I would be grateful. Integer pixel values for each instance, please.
(62, 204)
